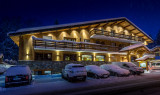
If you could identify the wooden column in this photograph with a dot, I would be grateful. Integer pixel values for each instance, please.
(128, 56)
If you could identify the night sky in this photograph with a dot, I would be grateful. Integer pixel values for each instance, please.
(144, 13)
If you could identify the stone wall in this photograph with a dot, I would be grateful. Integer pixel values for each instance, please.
(55, 66)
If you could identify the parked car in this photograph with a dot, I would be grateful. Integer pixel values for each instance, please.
(96, 72)
(18, 75)
(130, 66)
(115, 70)
(74, 71)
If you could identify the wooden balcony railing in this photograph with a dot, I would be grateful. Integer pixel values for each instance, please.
(69, 45)
(117, 35)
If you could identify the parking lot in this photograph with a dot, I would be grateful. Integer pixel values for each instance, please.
(39, 79)
(57, 83)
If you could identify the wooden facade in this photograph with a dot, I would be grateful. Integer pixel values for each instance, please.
(101, 39)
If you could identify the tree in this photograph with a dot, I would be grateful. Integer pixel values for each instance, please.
(157, 40)
(8, 24)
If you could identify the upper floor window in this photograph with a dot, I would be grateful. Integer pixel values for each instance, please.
(112, 32)
(113, 44)
(70, 39)
(47, 37)
(86, 40)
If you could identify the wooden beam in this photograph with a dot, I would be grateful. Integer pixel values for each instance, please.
(97, 26)
(132, 29)
(117, 23)
(105, 24)
(137, 33)
(113, 23)
(126, 26)
(120, 22)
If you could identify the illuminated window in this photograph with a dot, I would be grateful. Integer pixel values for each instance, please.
(70, 39)
(100, 58)
(86, 40)
(47, 37)
(143, 65)
(87, 58)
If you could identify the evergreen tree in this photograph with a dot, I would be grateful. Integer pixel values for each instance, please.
(157, 40)
(8, 24)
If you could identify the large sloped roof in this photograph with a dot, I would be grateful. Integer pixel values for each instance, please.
(122, 22)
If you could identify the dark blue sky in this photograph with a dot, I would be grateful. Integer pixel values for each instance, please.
(144, 13)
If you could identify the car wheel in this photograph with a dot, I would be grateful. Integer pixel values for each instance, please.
(84, 79)
(131, 72)
(138, 73)
(69, 79)
(117, 75)
(96, 76)
(6, 86)
(62, 76)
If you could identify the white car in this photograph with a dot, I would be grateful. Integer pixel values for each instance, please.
(18, 75)
(96, 72)
(74, 71)
(130, 66)
(115, 70)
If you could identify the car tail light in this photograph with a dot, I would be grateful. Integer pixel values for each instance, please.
(27, 77)
(6, 79)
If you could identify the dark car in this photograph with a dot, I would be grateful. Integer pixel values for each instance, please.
(18, 75)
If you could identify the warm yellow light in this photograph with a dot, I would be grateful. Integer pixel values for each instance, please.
(57, 55)
(109, 57)
(79, 56)
(94, 56)
(145, 43)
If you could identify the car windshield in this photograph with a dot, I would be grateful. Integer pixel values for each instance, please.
(77, 66)
(115, 67)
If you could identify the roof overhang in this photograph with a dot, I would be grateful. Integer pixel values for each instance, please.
(122, 21)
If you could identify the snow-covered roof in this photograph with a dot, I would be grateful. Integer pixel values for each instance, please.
(18, 70)
(70, 25)
(134, 46)
(158, 46)
(145, 57)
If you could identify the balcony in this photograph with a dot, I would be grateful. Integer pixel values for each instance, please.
(46, 44)
(106, 35)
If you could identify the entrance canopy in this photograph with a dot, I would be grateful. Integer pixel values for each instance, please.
(145, 57)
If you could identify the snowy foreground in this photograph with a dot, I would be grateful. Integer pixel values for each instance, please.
(48, 83)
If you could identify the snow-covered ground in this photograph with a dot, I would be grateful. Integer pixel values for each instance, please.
(55, 82)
